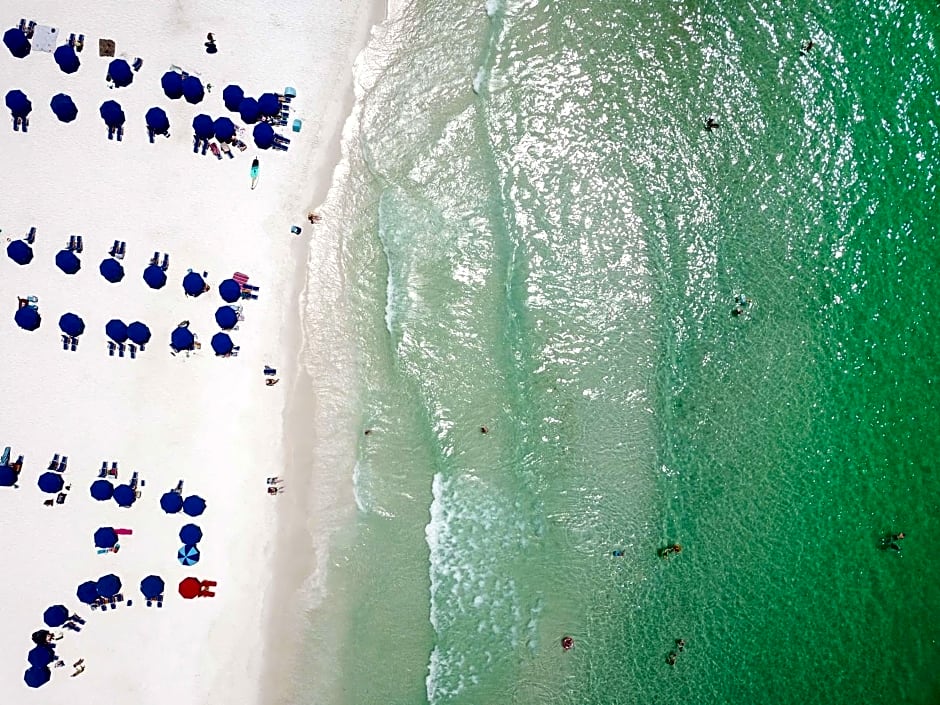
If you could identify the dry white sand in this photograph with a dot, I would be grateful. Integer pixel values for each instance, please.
(208, 421)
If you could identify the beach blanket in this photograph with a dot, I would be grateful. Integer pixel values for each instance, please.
(44, 38)
(105, 47)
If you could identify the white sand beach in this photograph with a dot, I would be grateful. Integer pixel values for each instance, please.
(206, 420)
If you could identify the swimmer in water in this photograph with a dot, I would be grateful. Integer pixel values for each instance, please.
(567, 642)
(680, 644)
(617, 553)
(671, 658)
(711, 124)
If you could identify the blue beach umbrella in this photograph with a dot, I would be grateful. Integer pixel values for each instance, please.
(124, 495)
(63, 107)
(194, 505)
(106, 537)
(232, 97)
(171, 502)
(116, 330)
(182, 339)
(108, 585)
(20, 252)
(190, 534)
(68, 261)
(224, 129)
(71, 324)
(193, 91)
(155, 277)
(66, 58)
(50, 482)
(37, 676)
(157, 121)
(41, 655)
(188, 555)
(226, 317)
(249, 110)
(7, 476)
(17, 43)
(230, 290)
(55, 616)
(120, 73)
(269, 105)
(172, 84)
(139, 333)
(222, 344)
(111, 113)
(112, 270)
(194, 284)
(204, 127)
(152, 586)
(87, 592)
(264, 135)
(19, 104)
(27, 318)
(102, 490)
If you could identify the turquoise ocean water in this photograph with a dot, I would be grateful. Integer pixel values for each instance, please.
(542, 239)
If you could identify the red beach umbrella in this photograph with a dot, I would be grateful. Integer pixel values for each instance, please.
(189, 588)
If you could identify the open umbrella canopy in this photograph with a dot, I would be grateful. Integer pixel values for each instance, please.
(27, 318)
(172, 83)
(157, 120)
(232, 97)
(194, 284)
(224, 129)
(68, 261)
(116, 330)
(182, 339)
(19, 104)
(120, 73)
(112, 270)
(249, 110)
(152, 586)
(41, 655)
(55, 616)
(50, 482)
(20, 252)
(111, 113)
(124, 495)
(106, 537)
(264, 135)
(171, 502)
(108, 585)
(63, 107)
(226, 317)
(139, 333)
(190, 534)
(17, 43)
(194, 505)
(269, 105)
(230, 290)
(222, 344)
(66, 58)
(193, 91)
(37, 676)
(87, 592)
(204, 127)
(41, 636)
(71, 324)
(189, 588)
(7, 476)
(155, 277)
(188, 555)
(102, 490)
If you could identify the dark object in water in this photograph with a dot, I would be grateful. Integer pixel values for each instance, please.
(671, 658)
(567, 642)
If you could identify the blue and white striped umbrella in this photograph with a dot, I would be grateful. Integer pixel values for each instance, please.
(188, 555)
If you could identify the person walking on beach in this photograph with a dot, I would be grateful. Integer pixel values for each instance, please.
(271, 382)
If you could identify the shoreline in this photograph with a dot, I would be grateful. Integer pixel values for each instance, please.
(300, 575)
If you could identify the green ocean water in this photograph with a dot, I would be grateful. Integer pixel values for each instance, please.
(542, 239)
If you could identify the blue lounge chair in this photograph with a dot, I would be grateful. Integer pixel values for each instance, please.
(150, 135)
(133, 350)
(54, 463)
(73, 343)
(5, 458)
(80, 44)
(81, 244)
(120, 133)
(72, 244)
(72, 39)
(114, 249)
(205, 146)
(195, 144)
(114, 468)
(122, 250)
(31, 235)
(65, 342)
(138, 62)
(64, 463)
(111, 348)
(103, 472)
(110, 132)
(120, 349)
(22, 25)
(166, 262)
(155, 260)
(25, 124)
